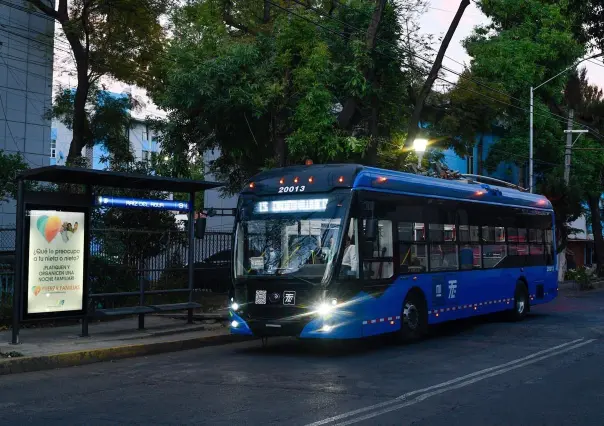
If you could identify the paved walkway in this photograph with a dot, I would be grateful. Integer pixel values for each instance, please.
(109, 334)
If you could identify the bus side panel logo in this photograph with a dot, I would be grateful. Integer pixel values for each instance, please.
(289, 297)
(438, 291)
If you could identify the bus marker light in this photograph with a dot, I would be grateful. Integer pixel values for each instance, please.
(296, 180)
(341, 179)
(252, 185)
(391, 322)
(234, 324)
(480, 192)
(382, 179)
(311, 179)
(235, 306)
(282, 181)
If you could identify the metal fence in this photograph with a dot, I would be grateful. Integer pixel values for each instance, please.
(121, 258)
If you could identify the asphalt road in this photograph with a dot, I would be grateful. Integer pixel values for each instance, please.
(547, 370)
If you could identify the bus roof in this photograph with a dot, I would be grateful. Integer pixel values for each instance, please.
(326, 177)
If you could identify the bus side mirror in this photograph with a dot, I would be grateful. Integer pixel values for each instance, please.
(200, 228)
(371, 229)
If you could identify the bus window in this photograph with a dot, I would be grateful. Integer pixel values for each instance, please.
(412, 248)
(378, 256)
(469, 250)
(443, 247)
(350, 259)
(494, 249)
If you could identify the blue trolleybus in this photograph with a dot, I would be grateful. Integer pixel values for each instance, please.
(345, 251)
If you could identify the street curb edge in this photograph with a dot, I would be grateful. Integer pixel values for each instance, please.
(91, 356)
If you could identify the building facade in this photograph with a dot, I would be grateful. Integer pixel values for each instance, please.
(26, 73)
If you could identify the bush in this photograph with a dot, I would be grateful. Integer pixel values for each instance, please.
(580, 276)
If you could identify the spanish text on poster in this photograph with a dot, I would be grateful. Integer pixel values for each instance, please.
(56, 261)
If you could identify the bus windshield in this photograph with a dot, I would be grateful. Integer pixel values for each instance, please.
(295, 237)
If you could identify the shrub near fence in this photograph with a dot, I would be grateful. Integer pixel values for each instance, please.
(120, 259)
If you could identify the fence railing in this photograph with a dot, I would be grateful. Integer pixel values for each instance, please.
(121, 258)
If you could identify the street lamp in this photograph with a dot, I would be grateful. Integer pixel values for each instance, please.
(419, 146)
(531, 114)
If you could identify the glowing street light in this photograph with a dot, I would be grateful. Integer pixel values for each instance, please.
(419, 146)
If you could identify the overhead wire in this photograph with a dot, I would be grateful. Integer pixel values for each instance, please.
(561, 119)
(460, 75)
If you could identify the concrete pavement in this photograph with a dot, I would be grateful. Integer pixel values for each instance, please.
(546, 370)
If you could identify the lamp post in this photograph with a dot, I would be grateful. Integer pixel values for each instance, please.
(531, 113)
(419, 146)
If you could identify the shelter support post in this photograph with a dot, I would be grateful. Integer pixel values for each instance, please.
(87, 301)
(19, 247)
(191, 253)
(141, 284)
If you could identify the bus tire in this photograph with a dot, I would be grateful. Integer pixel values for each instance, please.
(414, 317)
(521, 302)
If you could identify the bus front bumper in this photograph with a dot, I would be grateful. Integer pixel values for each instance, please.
(315, 328)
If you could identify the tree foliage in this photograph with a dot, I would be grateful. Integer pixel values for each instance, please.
(116, 38)
(10, 166)
(270, 91)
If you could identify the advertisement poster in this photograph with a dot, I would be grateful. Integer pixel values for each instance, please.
(56, 261)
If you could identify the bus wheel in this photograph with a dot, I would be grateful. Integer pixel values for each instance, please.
(414, 318)
(521, 303)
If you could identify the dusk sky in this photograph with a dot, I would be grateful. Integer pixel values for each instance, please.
(438, 18)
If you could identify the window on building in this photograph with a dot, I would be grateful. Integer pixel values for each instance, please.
(53, 148)
(146, 156)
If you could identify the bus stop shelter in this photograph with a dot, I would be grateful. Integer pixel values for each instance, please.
(50, 251)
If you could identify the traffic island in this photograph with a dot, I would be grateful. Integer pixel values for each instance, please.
(62, 347)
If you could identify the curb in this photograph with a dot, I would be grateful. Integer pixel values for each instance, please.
(91, 356)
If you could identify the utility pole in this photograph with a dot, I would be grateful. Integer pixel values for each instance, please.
(569, 146)
(531, 145)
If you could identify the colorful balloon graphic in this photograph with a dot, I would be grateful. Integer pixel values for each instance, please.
(49, 227)
(37, 290)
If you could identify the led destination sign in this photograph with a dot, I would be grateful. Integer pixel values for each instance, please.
(292, 206)
(139, 203)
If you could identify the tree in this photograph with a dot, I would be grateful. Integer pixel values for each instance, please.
(473, 111)
(527, 42)
(117, 38)
(108, 120)
(10, 166)
(588, 163)
(270, 92)
(427, 86)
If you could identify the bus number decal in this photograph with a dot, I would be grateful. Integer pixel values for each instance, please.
(285, 189)
(452, 289)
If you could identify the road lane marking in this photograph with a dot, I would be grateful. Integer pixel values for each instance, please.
(425, 396)
(454, 381)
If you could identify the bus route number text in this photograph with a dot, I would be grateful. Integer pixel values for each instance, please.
(286, 189)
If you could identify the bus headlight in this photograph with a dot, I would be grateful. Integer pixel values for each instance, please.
(326, 308)
(234, 324)
(235, 306)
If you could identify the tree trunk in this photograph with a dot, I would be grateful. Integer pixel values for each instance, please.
(80, 119)
(596, 226)
(351, 104)
(427, 87)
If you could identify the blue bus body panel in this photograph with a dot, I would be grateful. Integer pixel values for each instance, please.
(449, 295)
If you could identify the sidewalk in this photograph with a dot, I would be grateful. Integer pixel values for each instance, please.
(55, 347)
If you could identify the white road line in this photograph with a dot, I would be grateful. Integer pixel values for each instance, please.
(448, 383)
(425, 396)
